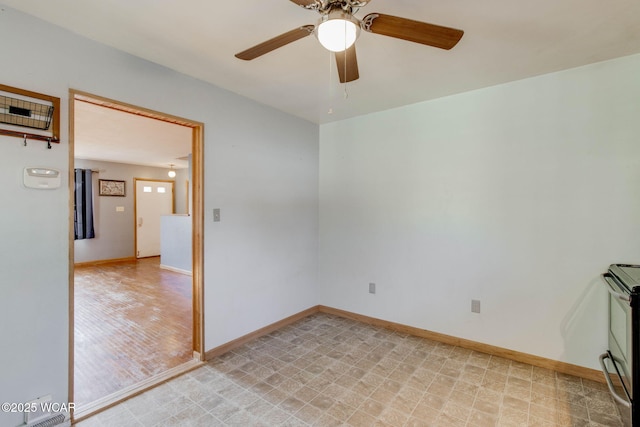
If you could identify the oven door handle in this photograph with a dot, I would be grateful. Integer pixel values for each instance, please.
(612, 390)
(610, 287)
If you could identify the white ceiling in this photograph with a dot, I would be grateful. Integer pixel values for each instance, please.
(504, 40)
(107, 134)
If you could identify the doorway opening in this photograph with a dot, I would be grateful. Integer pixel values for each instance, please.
(164, 292)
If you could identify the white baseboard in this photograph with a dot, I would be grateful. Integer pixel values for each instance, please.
(177, 270)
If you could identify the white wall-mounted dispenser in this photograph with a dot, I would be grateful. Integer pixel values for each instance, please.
(41, 178)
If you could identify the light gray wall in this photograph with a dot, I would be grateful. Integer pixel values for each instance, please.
(518, 195)
(261, 168)
(33, 278)
(175, 242)
(183, 176)
(115, 230)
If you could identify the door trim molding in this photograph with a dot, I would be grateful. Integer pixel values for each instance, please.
(197, 215)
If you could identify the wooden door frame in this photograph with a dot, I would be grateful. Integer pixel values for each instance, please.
(197, 216)
(135, 206)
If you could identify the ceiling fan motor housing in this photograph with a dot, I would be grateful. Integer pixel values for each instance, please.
(325, 7)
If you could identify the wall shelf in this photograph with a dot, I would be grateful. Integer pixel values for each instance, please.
(32, 110)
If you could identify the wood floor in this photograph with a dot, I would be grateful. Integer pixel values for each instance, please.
(133, 320)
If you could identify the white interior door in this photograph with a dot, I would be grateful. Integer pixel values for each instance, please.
(153, 199)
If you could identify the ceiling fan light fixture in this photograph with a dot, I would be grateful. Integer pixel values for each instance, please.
(338, 31)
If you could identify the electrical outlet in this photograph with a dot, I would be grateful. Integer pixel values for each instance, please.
(372, 288)
(475, 306)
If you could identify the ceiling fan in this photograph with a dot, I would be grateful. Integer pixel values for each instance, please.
(337, 30)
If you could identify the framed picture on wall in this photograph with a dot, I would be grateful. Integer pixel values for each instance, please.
(111, 187)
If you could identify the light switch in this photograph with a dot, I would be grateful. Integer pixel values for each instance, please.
(216, 215)
(119, 208)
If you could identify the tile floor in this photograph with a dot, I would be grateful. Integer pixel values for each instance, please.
(330, 371)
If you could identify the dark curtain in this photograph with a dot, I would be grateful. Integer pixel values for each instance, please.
(83, 205)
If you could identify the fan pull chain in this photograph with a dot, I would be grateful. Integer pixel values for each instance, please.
(346, 94)
(330, 111)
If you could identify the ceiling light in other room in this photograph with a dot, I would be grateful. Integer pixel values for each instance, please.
(337, 30)
(172, 173)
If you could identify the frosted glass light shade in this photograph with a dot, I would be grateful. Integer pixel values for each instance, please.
(337, 31)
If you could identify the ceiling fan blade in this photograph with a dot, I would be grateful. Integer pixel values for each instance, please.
(347, 65)
(413, 31)
(276, 42)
